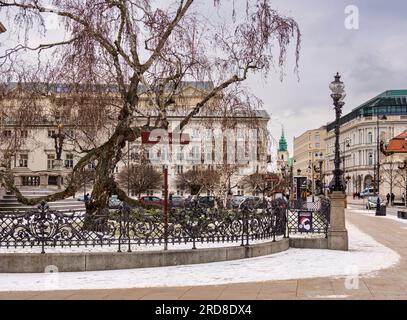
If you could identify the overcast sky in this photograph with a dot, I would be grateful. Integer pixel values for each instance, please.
(371, 59)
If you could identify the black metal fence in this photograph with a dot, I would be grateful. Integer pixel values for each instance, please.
(309, 217)
(126, 227)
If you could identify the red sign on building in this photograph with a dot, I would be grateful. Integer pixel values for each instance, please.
(164, 137)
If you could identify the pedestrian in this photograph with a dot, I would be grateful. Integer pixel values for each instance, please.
(403, 198)
(392, 198)
(388, 198)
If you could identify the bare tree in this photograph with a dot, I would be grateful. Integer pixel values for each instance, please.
(127, 51)
(139, 178)
(198, 180)
(266, 184)
(390, 173)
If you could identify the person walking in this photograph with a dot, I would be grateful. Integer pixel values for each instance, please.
(388, 198)
(392, 198)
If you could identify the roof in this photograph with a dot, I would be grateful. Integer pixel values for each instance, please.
(398, 144)
(390, 102)
(72, 87)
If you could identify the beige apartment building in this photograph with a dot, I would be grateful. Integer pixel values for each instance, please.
(309, 148)
(33, 160)
(380, 119)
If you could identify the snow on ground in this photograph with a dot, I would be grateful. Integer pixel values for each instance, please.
(364, 257)
(134, 248)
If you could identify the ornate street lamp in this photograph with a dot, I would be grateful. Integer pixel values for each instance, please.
(338, 94)
(377, 167)
(59, 144)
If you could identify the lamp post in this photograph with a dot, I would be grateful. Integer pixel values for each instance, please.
(346, 145)
(338, 94)
(59, 144)
(377, 171)
(311, 168)
(337, 233)
(320, 158)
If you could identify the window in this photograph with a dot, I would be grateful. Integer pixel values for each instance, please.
(317, 137)
(50, 161)
(370, 160)
(23, 160)
(180, 169)
(51, 133)
(180, 154)
(7, 133)
(24, 133)
(195, 133)
(317, 145)
(240, 190)
(69, 161)
(369, 137)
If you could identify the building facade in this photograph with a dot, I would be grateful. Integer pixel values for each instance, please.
(309, 149)
(361, 130)
(237, 141)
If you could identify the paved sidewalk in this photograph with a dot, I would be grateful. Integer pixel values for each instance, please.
(387, 284)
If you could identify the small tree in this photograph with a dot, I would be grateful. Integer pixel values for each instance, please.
(390, 173)
(139, 178)
(265, 183)
(198, 179)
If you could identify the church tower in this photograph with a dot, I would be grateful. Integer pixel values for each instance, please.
(282, 153)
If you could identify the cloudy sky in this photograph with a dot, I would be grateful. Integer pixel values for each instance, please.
(371, 59)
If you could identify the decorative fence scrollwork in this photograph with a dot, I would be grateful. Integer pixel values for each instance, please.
(127, 227)
(309, 217)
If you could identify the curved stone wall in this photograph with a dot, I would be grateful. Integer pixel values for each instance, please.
(93, 261)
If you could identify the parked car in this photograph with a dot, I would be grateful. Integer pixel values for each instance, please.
(177, 201)
(237, 200)
(372, 202)
(367, 192)
(152, 200)
(114, 202)
(253, 202)
(207, 201)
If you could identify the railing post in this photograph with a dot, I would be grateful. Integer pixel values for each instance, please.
(128, 231)
(120, 229)
(286, 229)
(247, 226)
(42, 224)
(165, 208)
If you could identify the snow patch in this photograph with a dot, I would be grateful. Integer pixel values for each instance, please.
(365, 256)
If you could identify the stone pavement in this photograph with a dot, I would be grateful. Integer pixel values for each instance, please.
(387, 284)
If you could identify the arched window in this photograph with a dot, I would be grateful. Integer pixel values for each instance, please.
(370, 161)
(369, 137)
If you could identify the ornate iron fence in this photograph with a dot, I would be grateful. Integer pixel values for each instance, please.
(309, 217)
(126, 227)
